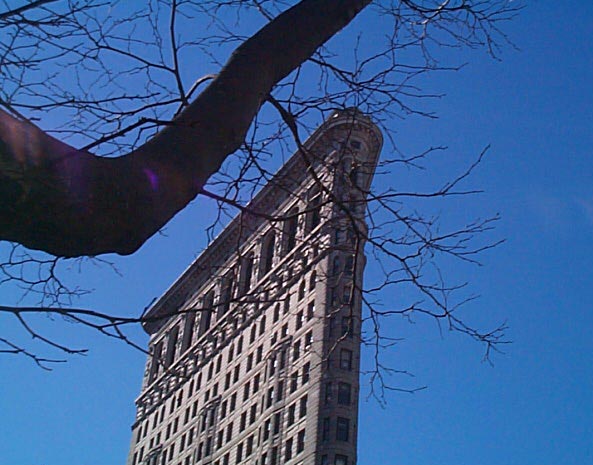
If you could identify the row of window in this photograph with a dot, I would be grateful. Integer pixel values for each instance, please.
(163, 357)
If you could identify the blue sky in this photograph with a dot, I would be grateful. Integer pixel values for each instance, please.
(533, 406)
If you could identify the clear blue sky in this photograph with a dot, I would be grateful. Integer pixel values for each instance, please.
(534, 406)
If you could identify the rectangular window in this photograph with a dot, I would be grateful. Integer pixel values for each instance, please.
(328, 393)
(301, 441)
(303, 407)
(277, 422)
(341, 460)
(344, 393)
(346, 359)
(325, 429)
(255, 383)
(253, 414)
(306, 372)
(296, 351)
(342, 429)
(267, 429)
(239, 452)
(229, 432)
(347, 328)
(291, 414)
(299, 320)
(246, 390)
(308, 340)
(243, 421)
(274, 456)
(311, 310)
(270, 399)
(249, 448)
(288, 450)
(294, 380)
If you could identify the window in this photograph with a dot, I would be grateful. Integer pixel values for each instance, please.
(303, 407)
(312, 280)
(341, 460)
(239, 452)
(246, 274)
(252, 334)
(229, 432)
(249, 362)
(313, 217)
(328, 393)
(171, 346)
(274, 456)
(294, 380)
(249, 448)
(288, 450)
(301, 441)
(266, 259)
(226, 294)
(291, 414)
(243, 421)
(253, 414)
(299, 320)
(188, 329)
(290, 230)
(277, 422)
(262, 326)
(311, 310)
(324, 460)
(276, 315)
(306, 371)
(325, 425)
(246, 390)
(347, 326)
(308, 340)
(156, 361)
(342, 429)
(296, 351)
(255, 383)
(344, 393)
(270, 398)
(349, 265)
(346, 359)
(301, 294)
(206, 313)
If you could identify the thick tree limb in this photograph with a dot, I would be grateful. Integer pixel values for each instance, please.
(70, 203)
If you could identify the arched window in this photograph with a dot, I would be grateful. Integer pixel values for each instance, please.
(266, 258)
(246, 274)
(226, 294)
(206, 313)
(313, 217)
(188, 329)
(289, 232)
(312, 280)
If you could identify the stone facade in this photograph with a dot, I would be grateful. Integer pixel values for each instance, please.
(255, 348)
